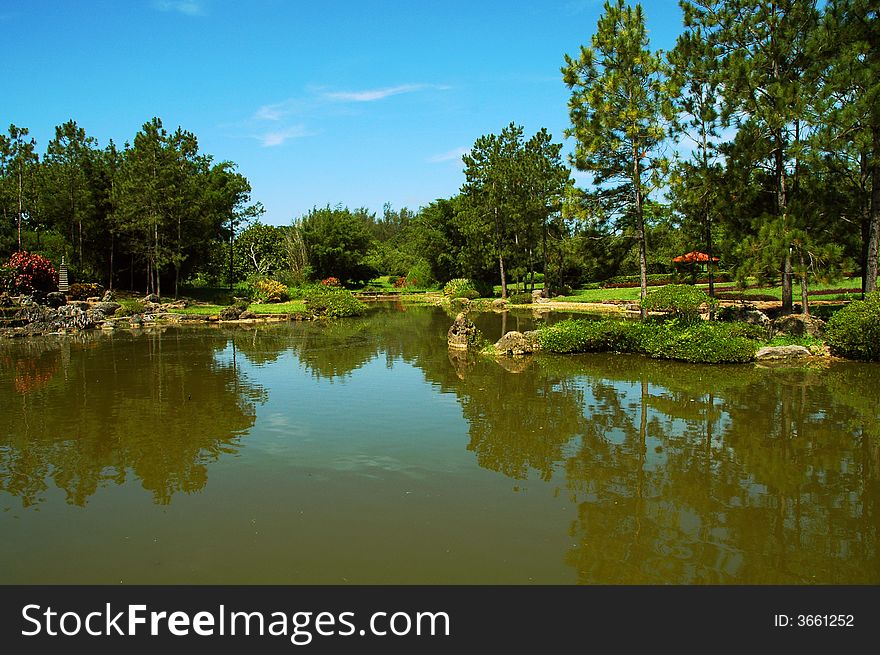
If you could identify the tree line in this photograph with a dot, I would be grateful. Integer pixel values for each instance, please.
(755, 139)
(156, 210)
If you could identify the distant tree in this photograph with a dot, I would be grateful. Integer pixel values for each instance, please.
(21, 164)
(616, 110)
(845, 57)
(338, 241)
(68, 198)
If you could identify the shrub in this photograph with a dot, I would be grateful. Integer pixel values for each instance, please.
(854, 331)
(681, 301)
(32, 273)
(470, 294)
(455, 287)
(520, 298)
(333, 303)
(270, 291)
(7, 277)
(83, 290)
(331, 282)
(701, 342)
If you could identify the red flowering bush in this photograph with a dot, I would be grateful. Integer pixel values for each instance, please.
(331, 282)
(32, 273)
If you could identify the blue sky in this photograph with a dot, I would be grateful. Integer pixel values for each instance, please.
(358, 103)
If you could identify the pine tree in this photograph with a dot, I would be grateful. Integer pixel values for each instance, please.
(616, 109)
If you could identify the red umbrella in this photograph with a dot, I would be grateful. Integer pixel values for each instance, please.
(693, 257)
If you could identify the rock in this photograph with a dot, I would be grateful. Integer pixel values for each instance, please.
(93, 299)
(798, 325)
(55, 299)
(782, 352)
(517, 344)
(462, 334)
(108, 308)
(632, 307)
(499, 303)
(247, 315)
(746, 314)
(177, 304)
(152, 307)
(5, 300)
(538, 295)
(459, 303)
(151, 297)
(136, 320)
(108, 296)
(232, 313)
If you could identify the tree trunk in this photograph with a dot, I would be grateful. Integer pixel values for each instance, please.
(112, 249)
(787, 303)
(546, 289)
(503, 278)
(871, 263)
(805, 298)
(640, 232)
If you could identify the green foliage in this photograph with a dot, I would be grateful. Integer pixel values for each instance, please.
(678, 300)
(618, 96)
(700, 342)
(338, 241)
(262, 250)
(520, 299)
(268, 290)
(7, 277)
(458, 287)
(854, 331)
(333, 303)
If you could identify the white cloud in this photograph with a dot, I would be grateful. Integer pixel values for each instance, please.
(278, 137)
(188, 7)
(452, 155)
(372, 95)
(276, 111)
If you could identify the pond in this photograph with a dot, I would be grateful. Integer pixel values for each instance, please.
(363, 451)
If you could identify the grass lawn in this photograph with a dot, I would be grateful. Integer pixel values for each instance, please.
(199, 310)
(292, 307)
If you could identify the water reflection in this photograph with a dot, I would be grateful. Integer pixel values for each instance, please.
(155, 406)
(658, 472)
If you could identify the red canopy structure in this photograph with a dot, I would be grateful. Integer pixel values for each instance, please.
(693, 257)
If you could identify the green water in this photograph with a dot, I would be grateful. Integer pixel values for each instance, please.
(363, 451)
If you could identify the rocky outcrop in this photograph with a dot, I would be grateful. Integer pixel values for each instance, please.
(798, 325)
(516, 344)
(462, 334)
(42, 320)
(745, 314)
(108, 308)
(782, 353)
(231, 313)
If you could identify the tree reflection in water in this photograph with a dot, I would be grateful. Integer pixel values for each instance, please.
(150, 405)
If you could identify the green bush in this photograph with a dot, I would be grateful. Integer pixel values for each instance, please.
(681, 301)
(520, 299)
(470, 294)
(333, 302)
(270, 291)
(701, 342)
(854, 331)
(457, 286)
